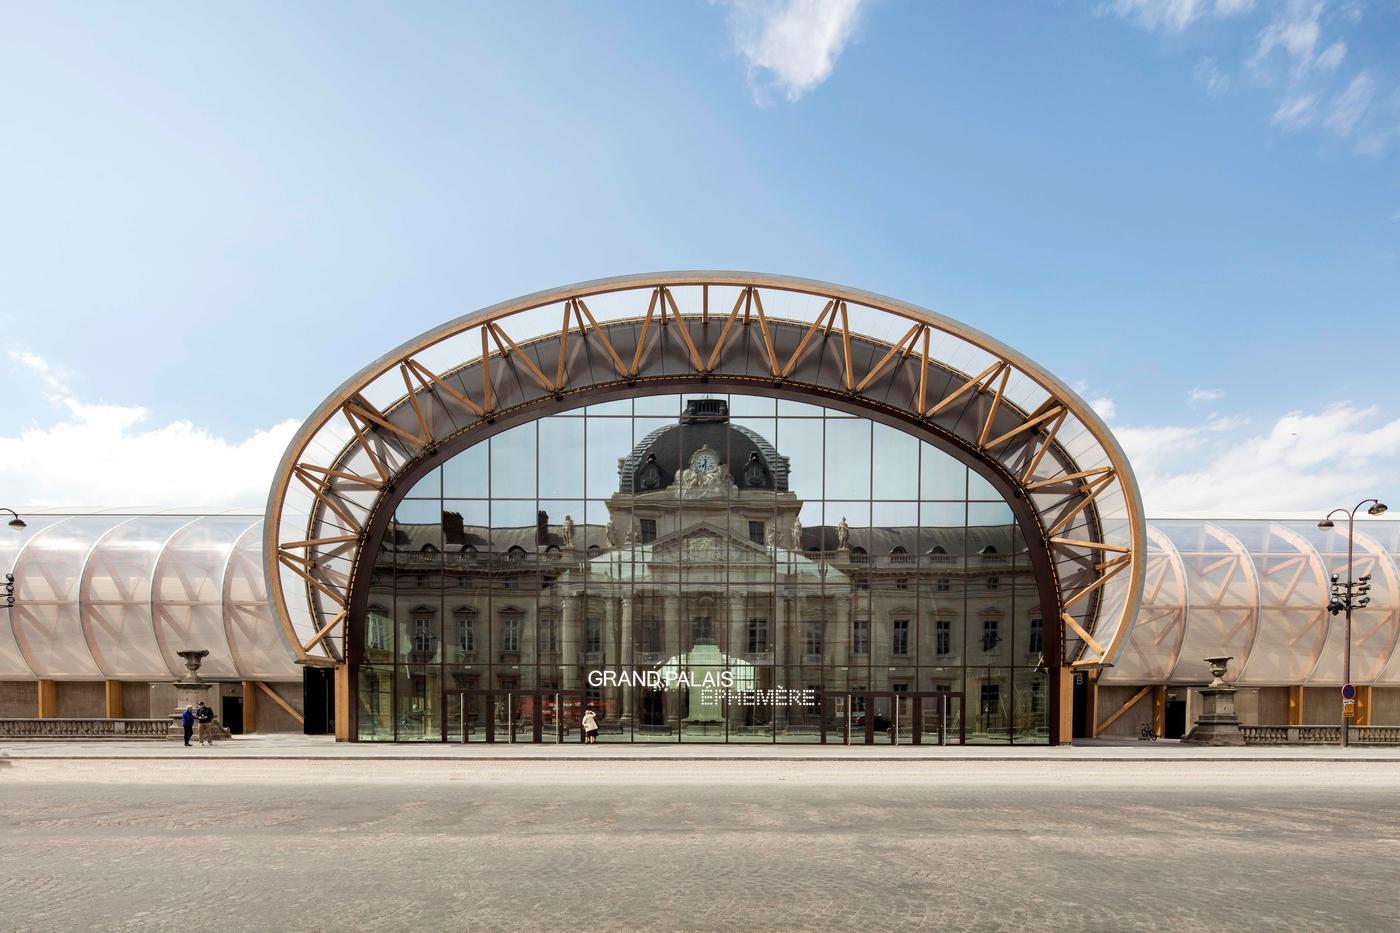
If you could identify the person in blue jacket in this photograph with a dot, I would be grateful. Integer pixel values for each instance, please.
(187, 720)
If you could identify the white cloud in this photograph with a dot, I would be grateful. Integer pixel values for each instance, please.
(1303, 462)
(1174, 15)
(1200, 394)
(1295, 33)
(1168, 15)
(791, 45)
(1295, 113)
(1212, 77)
(106, 455)
(1105, 407)
(1298, 56)
(1351, 105)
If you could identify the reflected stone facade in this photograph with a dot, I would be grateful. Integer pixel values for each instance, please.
(825, 568)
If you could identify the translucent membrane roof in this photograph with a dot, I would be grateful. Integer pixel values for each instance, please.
(1257, 590)
(629, 336)
(114, 595)
(108, 595)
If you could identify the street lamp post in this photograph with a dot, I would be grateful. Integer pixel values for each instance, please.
(1349, 595)
(7, 589)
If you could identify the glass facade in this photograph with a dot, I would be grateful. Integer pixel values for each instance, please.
(726, 568)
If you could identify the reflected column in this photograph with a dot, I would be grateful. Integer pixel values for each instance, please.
(625, 661)
(671, 626)
(844, 635)
(782, 640)
(736, 625)
(568, 642)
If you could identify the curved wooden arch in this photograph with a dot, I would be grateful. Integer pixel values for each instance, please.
(713, 331)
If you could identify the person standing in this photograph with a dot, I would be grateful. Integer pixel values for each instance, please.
(187, 720)
(590, 728)
(205, 716)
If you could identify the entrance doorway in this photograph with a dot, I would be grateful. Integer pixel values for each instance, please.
(1174, 718)
(894, 717)
(552, 716)
(231, 714)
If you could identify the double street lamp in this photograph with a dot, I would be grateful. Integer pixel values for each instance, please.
(1353, 594)
(7, 589)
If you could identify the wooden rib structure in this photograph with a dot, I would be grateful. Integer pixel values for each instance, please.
(705, 331)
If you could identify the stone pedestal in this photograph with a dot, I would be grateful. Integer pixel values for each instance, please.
(1218, 724)
(190, 692)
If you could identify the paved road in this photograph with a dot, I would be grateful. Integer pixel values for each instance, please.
(386, 845)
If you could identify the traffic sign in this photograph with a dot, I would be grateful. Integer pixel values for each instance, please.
(1349, 709)
(1348, 692)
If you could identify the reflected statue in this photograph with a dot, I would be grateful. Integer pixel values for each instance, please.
(611, 534)
(568, 532)
(772, 535)
(649, 476)
(843, 535)
(754, 473)
(797, 534)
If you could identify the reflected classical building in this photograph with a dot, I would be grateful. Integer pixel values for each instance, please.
(705, 558)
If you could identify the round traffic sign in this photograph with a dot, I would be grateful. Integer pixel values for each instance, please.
(1348, 692)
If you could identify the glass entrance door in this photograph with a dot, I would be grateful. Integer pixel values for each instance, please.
(517, 715)
(904, 717)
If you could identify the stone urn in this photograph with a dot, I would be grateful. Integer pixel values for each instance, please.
(1218, 724)
(1218, 667)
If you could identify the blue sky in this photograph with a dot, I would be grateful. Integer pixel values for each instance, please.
(209, 216)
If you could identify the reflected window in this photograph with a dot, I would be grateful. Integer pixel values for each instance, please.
(757, 531)
(943, 637)
(466, 635)
(648, 526)
(860, 639)
(899, 640)
(812, 639)
(1037, 642)
(422, 634)
(593, 635)
(943, 585)
(377, 632)
(993, 583)
(991, 635)
(510, 636)
(758, 636)
(651, 635)
(548, 640)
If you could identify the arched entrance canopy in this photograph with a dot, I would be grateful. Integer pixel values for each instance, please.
(703, 331)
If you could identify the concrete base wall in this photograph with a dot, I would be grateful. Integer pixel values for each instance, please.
(81, 700)
(273, 718)
(1385, 706)
(1273, 708)
(1130, 723)
(19, 699)
(1322, 706)
(136, 701)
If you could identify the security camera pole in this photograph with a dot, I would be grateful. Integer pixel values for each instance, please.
(1347, 595)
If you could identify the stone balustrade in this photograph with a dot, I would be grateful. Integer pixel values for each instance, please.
(1319, 735)
(24, 729)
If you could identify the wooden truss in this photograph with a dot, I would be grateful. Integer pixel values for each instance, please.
(345, 461)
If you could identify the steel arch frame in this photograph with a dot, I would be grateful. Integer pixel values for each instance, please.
(1010, 414)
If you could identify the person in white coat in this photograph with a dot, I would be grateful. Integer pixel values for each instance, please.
(590, 727)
